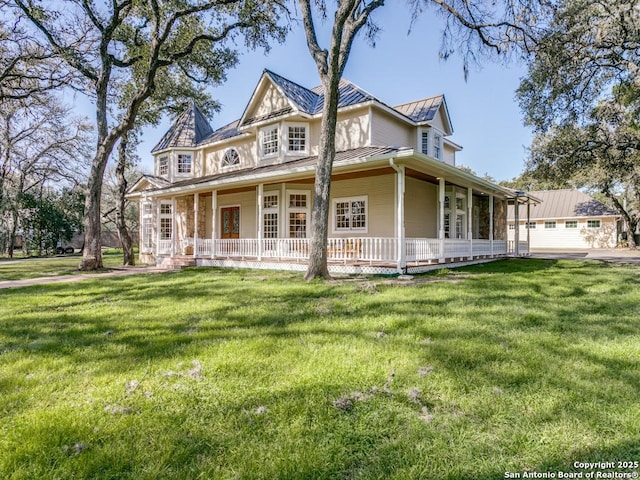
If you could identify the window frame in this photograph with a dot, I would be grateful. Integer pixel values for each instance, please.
(437, 145)
(425, 141)
(287, 142)
(271, 210)
(228, 151)
(165, 212)
(179, 164)
(163, 164)
(592, 224)
(350, 200)
(289, 210)
(574, 224)
(550, 224)
(146, 227)
(261, 145)
(531, 225)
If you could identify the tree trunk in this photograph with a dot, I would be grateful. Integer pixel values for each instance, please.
(121, 204)
(322, 186)
(630, 223)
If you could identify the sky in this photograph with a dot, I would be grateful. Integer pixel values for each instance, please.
(402, 67)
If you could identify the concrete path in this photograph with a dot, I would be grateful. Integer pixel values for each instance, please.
(114, 272)
(614, 255)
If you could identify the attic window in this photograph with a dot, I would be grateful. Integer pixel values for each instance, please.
(184, 163)
(424, 142)
(163, 165)
(437, 146)
(231, 157)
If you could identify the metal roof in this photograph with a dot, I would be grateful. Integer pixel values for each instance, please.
(565, 203)
(228, 131)
(189, 129)
(421, 110)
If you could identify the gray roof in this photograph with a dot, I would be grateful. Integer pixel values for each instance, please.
(421, 110)
(566, 203)
(189, 129)
(343, 156)
(228, 131)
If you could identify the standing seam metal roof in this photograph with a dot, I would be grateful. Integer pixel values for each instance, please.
(564, 203)
(189, 129)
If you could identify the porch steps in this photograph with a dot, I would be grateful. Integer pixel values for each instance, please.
(177, 263)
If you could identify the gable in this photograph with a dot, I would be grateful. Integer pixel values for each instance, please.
(147, 182)
(441, 121)
(267, 102)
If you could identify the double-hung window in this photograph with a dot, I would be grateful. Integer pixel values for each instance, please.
(163, 165)
(298, 211)
(184, 163)
(424, 142)
(297, 141)
(166, 221)
(437, 146)
(147, 227)
(270, 206)
(270, 141)
(350, 214)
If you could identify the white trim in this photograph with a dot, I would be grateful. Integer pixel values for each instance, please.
(289, 210)
(235, 166)
(260, 137)
(307, 138)
(350, 200)
(176, 166)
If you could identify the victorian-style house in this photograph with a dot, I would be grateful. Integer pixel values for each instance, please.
(241, 195)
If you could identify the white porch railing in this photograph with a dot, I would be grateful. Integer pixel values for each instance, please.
(421, 249)
(164, 247)
(523, 247)
(361, 249)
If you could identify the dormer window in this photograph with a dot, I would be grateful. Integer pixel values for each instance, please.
(437, 146)
(163, 165)
(424, 142)
(297, 141)
(270, 141)
(231, 158)
(184, 163)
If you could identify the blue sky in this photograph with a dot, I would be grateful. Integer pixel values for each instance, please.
(402, 67)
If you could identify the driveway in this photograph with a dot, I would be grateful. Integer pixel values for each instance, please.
(614, 255)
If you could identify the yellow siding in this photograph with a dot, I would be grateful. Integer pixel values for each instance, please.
(380, 204)
(246, 149)
(449, 155)
(389, 131)
(270, 101)
(421, 209)
(247, 203)
(352, 130)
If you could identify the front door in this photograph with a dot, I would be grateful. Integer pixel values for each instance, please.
(230, 222)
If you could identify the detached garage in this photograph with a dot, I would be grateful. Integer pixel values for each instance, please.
(566, 219)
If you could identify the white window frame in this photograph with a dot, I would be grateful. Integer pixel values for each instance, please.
(146, 213)
(287, 139)
(530, 225)
(165, 216)
(178, 164)
(424, 134)
(289, 210)
(574, 224)
(165, 159)
(550, 224)
(261, 144)
(269, 211)
(437, 145)
(599, 222)
(512, 226)
(228, 151)
(350, 200)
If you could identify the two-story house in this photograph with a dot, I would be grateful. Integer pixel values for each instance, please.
(241, 195)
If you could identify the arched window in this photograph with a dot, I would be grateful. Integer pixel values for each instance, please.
(230, 158)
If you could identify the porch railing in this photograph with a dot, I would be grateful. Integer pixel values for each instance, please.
(370, 249)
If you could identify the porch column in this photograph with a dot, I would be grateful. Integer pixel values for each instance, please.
(158, 232)
(174, 231)
(470, 221)
(260, 222)
(196, 201)
(528, 229)
(516, 237)
(214, 221)
(400, 235)
(491, 224)
(441, 188)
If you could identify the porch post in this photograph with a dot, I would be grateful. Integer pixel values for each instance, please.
(491, 223)
(260, 222)
(400, 235)
(516, 237)
(441, 188)
(174, 232)
(528, 230)
(158, 232)
(470, 221)
(196, 201)
(214, 221)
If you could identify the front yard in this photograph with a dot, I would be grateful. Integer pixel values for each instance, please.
(519, 365)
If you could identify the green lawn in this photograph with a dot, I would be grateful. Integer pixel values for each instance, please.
(46, 267)
(518, 365)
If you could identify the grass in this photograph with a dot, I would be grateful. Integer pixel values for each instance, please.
(45, 267)
(519, 365)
